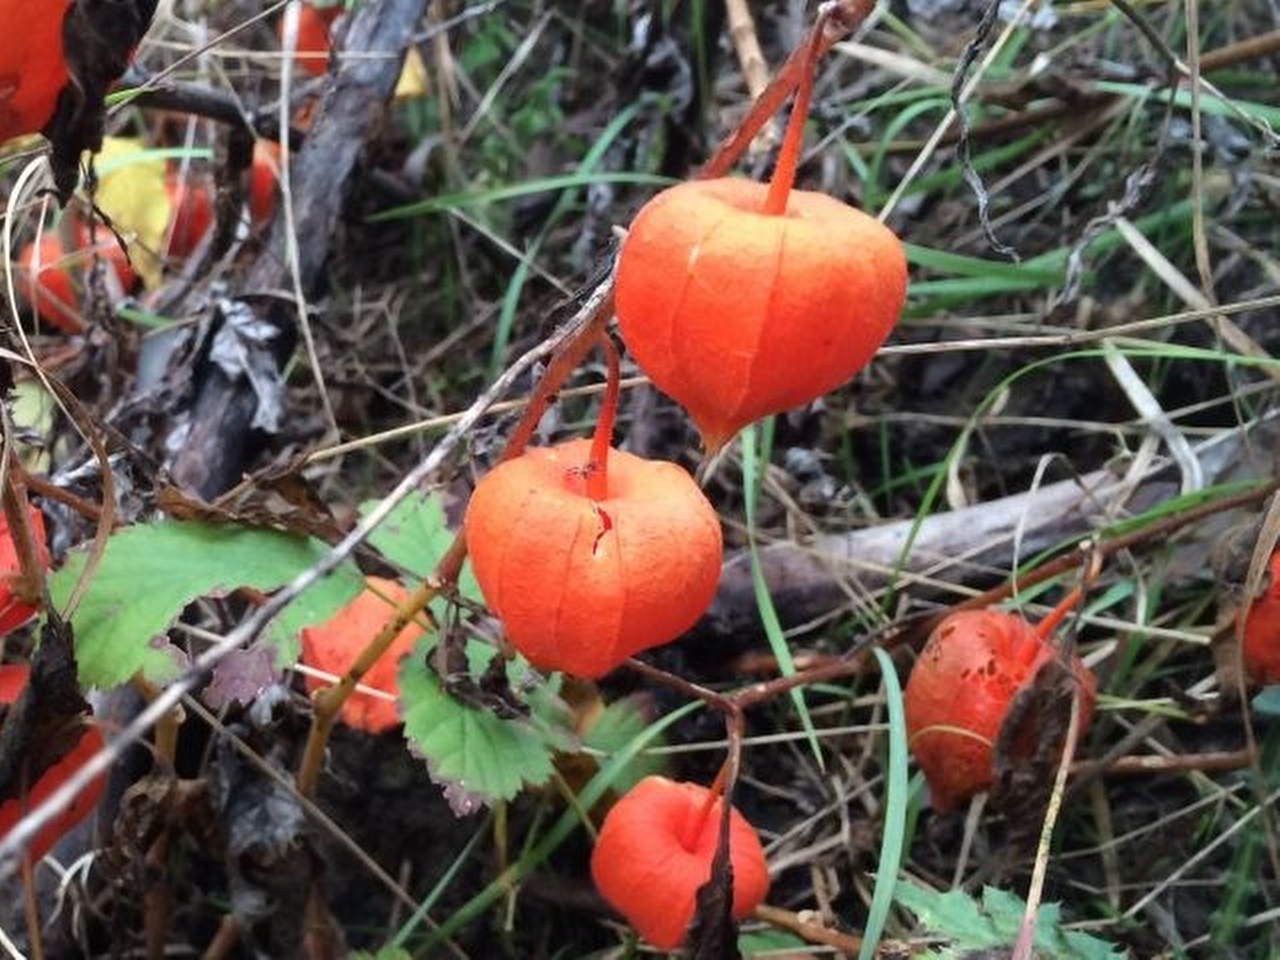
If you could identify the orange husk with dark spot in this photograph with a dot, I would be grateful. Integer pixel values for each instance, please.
(960, 691)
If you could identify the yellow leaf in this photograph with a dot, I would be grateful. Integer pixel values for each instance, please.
(413, 84)
(131, 191)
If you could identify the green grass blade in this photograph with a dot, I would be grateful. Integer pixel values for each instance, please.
(895, 812)
(512, 191)
(751, 473)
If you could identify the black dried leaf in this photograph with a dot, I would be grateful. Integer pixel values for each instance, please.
(1029, 746)
(98, 39)
(713, 934)
(47, 720)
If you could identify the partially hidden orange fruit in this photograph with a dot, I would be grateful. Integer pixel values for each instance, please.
(312, 50)
(1262, 630)
(960, 690)
(51, 278)
(583, 582)
(32, 68)
(334, 645)
(655, 850)
(14, 612)
(13, 677)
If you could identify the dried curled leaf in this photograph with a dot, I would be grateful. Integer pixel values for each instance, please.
(98, 40)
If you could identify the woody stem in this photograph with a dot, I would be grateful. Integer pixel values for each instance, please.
(784, 173)
(598, 475)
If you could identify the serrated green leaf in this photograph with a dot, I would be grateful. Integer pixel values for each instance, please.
(482, 752)
(953, 914)
(150, 572)
(958, 917)
(416, 535)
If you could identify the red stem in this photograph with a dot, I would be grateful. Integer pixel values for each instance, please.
(598, 466)
(784, 173)
(693, 828)
(1045, 628)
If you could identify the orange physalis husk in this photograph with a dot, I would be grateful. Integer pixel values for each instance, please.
(655, 850)
(741, 299)
(334, 645)
(960, 690)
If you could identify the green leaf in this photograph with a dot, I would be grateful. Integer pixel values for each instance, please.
(754, 463)
(383, 953)
(482, 752)
(970, 927)
(617, 725)
(150, 572)
(416, 535)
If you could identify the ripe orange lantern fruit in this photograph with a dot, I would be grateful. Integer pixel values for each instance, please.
(13, 612)
(655, 850)
(32, 68)
(13, 678)
(191, 218)
(590, 554)
(312, 50)
(334, 645)
(583, 580)
(1262, 629)
(47, 273)
(960, 690)
(741, 299)
(262, 181)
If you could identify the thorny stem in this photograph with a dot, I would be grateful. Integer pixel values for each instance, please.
(598, 467)
(784, 172)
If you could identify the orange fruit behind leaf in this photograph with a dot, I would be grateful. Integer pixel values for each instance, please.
(12, 679)
(13, 611)
(655, 850)
(582, 584)
(32, 68)
(334, 645)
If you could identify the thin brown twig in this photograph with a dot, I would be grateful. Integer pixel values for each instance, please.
(1141, 765)
(812, 932)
